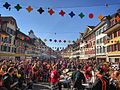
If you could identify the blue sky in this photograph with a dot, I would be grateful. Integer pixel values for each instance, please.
(66, 28)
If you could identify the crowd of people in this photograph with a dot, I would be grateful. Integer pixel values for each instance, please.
(80, 74)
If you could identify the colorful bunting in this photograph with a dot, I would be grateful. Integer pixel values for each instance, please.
(91, 15)
(7, 5)
(55, 40)
(81, 15)
(100, 17)
(69, 41)
(106, 5)
(60, 40)
(64, 41)
(40, 10)
(51, 12)
(71, 14)
(18, 7)
(29, 8)
(50, 40)
(62, 13)
(45, 40)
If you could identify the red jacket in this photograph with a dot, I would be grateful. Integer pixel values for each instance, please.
(54, 76)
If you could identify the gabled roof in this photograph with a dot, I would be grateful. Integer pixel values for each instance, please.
(32, 35)
(6, 19)
(92, 27)
(88, 30)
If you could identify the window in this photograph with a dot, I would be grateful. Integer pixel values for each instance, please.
(119, 33)
(115, 34)
(10, 31)
(100, 49)
(99, 31)
(112, 22)
(118, 46)
(103, 49)
(112, 48)
(8, 49)
(115, 47)
(101, 40)
(104, 28)
(108, 48)
(98, 41)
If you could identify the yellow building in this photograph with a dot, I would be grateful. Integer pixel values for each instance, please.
(113, 39)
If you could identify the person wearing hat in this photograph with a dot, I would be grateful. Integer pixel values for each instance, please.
(102, 81)
(79, 79)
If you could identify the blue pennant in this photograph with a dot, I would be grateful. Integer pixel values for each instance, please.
(7, 5)
(71, 14)
(40, 10)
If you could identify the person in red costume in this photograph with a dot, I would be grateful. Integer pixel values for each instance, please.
(54, 77)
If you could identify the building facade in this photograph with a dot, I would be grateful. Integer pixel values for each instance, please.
(113, 40)
(101, 37)
(7, 36)
(89, 39)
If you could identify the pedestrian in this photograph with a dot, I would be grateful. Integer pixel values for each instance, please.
(54, 78)
(79, 79)
(115, 81)
(102, 81)
(8, 80)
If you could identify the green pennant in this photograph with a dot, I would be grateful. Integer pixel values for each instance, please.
(81, 15)
(18, 7)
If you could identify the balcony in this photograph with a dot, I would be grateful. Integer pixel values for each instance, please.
(113, 28)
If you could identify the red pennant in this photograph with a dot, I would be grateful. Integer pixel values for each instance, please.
(51, 12)
(62, 13)
(91, 15)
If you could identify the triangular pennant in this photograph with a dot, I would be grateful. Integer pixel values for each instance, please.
(29, 8)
